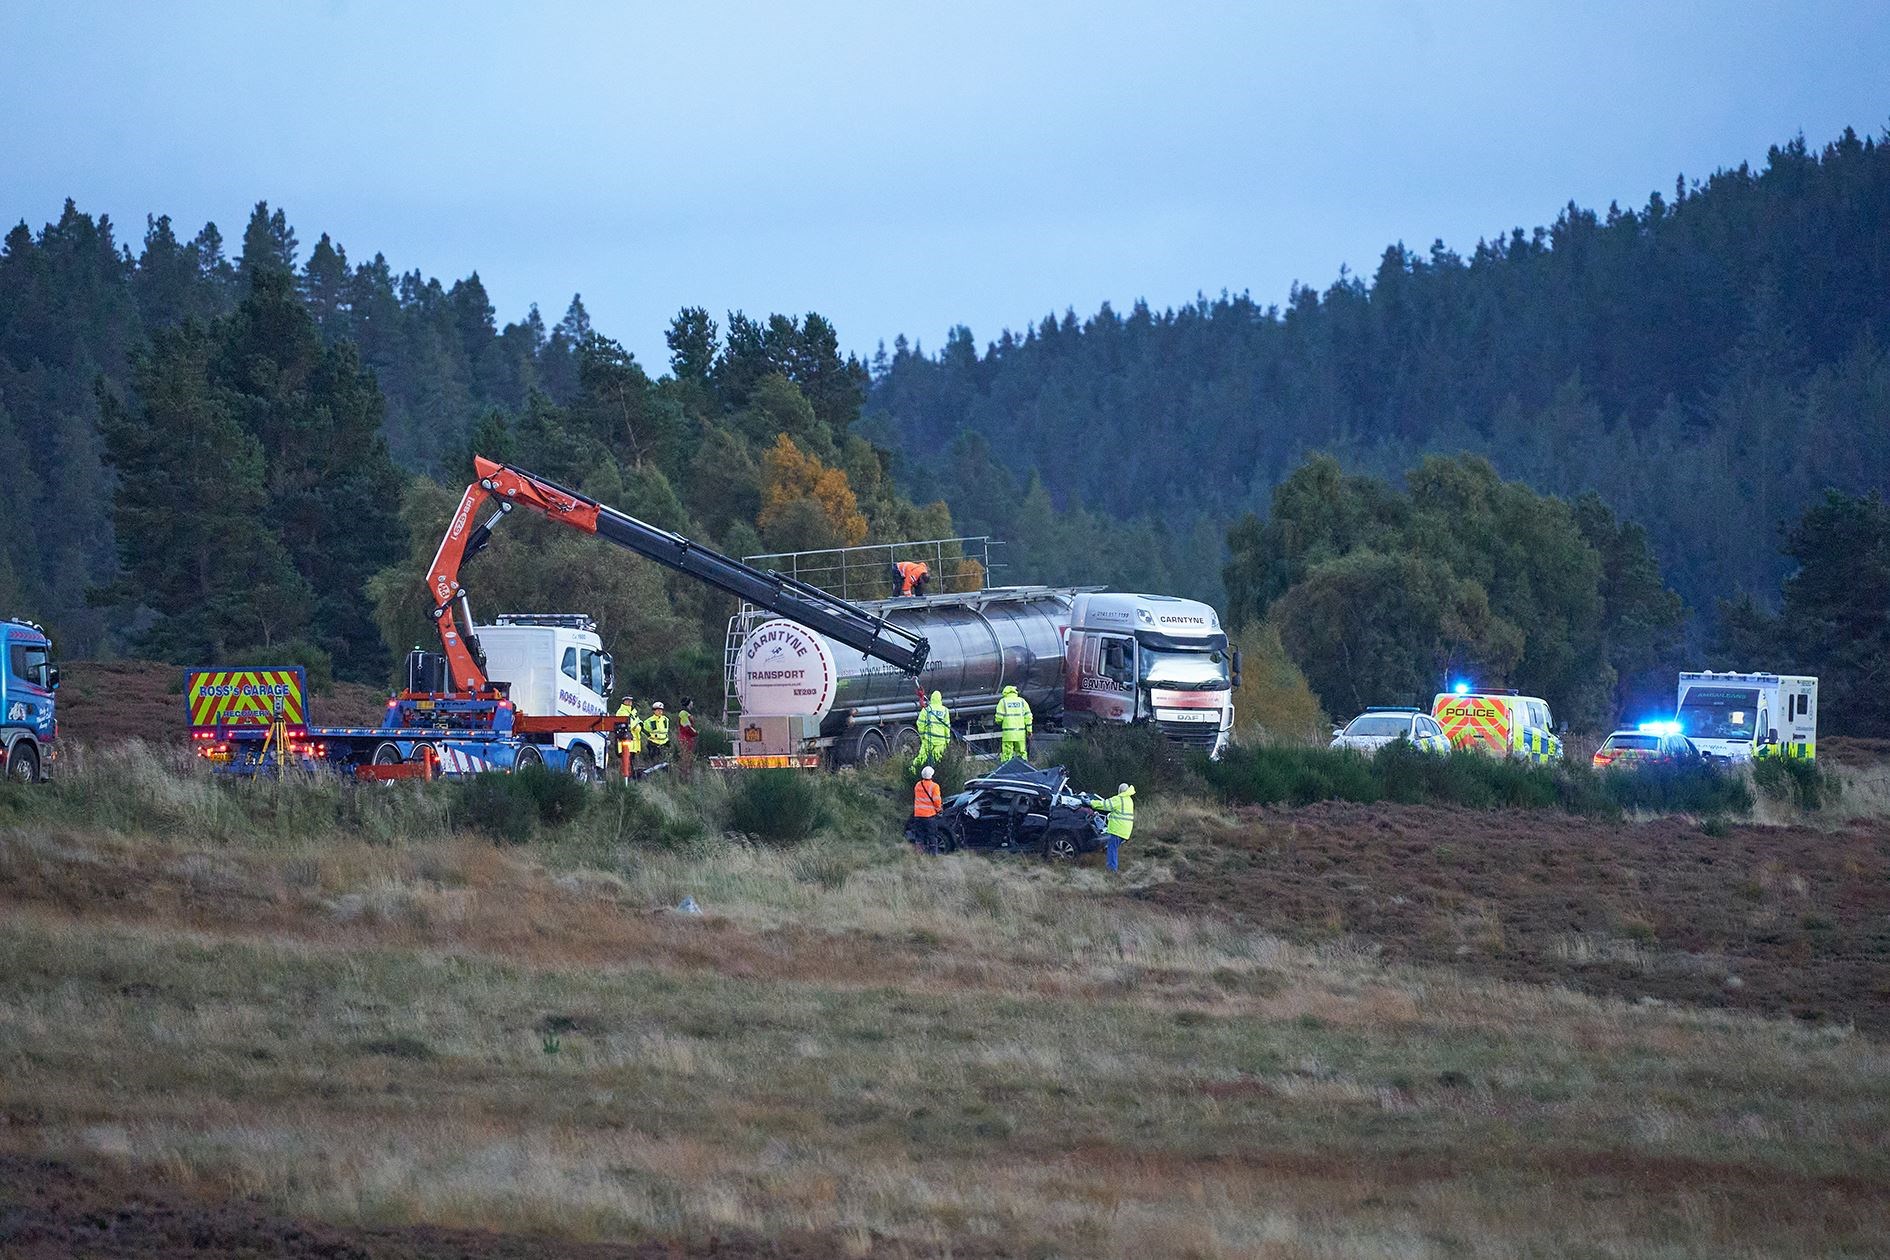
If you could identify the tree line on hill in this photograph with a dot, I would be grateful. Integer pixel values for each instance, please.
(208, 457)
(1708, 365)
(216, 460)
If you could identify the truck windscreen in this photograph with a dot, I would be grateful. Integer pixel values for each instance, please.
(1719, 712)
(1184, 671)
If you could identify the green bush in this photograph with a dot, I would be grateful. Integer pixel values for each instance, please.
(1805, 784)
(510, 807)
(713, 741)
(315, 662)
(781, 807)
(1694, 789)
(635, 813)
(949, 770)
(1271, 775)
(1100, 756)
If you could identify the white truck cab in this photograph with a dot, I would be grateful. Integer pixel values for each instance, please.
(1136, 658)
(1736, 717)
(554, 664)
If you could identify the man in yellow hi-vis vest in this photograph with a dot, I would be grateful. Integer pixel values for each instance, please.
(935, 732)
(631, 741)
(656, 733)
(1121, 821)
(1015, 724)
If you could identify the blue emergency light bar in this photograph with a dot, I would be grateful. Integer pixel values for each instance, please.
(1659, 728)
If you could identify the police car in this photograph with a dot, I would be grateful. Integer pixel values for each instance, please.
(1650, 744)
(1376, 727)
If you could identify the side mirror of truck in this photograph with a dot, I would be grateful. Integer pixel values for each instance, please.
(1771, 736)
(52, 680)
(1236, 668)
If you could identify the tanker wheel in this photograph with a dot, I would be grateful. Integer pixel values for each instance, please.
(23, 763)
(527, 756)
(905, 745)
(584, 764)
(387, 753)
(871, 749)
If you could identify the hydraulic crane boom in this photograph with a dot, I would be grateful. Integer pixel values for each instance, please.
(812, 607)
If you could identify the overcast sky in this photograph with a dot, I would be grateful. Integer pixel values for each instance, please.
(903, 168)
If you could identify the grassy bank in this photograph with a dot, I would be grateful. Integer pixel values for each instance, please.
(362, 1008)
(1401, 774)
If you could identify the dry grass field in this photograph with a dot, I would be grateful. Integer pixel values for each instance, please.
(225, 1029)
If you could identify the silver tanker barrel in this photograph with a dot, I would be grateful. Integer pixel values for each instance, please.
(981, 642)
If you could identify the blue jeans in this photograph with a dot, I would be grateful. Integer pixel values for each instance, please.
(1115, 843)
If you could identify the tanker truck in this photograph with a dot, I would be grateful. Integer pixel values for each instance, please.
(1078, 655)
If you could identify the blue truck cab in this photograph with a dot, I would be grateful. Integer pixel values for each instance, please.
(27, 722)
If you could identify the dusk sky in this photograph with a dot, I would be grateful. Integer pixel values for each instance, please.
(903, 168)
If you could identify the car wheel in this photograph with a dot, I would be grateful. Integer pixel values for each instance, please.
(387, 753)
(948, 838)
(583, 764)
(23, 763)
(1060, 848)
(527, 756)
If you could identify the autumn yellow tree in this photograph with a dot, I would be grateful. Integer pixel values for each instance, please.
(806, 505)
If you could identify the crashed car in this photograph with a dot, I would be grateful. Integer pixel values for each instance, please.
(1020, 809)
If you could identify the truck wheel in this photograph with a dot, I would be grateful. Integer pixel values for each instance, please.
(583, 764)
(527, 756)
(905, 745)
(387, 753)
(871, 750)
(23, 763)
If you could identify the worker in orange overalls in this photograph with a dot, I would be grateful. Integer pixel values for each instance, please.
(911, 576)
(926, 803)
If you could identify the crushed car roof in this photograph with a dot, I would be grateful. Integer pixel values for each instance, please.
(1020, 773)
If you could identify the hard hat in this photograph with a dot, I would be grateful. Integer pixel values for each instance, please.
(1122, 787)
(926, 773)
(657, 705)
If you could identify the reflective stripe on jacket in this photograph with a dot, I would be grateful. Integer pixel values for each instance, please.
(656, 726)
(935, 722)
(1013, 713)
(926, 799)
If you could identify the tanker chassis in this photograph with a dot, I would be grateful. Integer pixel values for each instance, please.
(1079, 656)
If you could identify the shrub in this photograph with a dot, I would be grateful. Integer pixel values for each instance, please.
(315, 661)
(1805, 784)
(1694, 789)
(781, 807)
(1100, 756)
(510, 807)
(636, 813)
(949, 770)
(713, 741)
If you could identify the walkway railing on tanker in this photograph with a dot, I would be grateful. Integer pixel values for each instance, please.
(861, 574)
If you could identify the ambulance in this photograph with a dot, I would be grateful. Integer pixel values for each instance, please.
(1500, 723)
(1737, 717)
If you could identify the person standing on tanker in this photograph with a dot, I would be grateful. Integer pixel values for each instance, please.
(935, 731)
(910, 576)
(1121, 821)
(630, 742)
(926, 804)
(1015, 724)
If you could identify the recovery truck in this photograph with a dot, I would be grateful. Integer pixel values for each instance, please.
(460, 711)
(28, 725)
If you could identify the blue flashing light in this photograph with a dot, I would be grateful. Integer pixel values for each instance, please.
(1659, 728)
(1462, 689)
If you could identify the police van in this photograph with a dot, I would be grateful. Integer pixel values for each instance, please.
(1500, 723)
